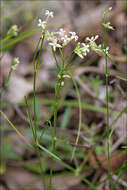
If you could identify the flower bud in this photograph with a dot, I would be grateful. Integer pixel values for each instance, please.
(62, 83)
(13, 31)
(15, 63)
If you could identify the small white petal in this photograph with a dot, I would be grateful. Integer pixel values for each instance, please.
(66, 76)
(55, 44)
(49, 13)
(41, 23)
(96, 37)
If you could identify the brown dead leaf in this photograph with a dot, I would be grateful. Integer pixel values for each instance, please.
(18, 88)
(117, 160)
(17, 178)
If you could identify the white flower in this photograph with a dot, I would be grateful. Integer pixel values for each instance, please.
(55, 44)
(66, 40)
(92, 39)
(106, 50)
(81, 51)
(85, 48)
(108, 26)
(49, 13)
(92, 44)
(78, 50)
(50, 36)
(61, 32)
(97, 48)
(73, 36)
(42, 24)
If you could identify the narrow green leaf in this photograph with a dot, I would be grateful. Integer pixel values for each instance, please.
(66, 118)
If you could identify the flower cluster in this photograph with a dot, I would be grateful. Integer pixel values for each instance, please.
(54, 43)
(107, 24)
(81, 49)
(92, 44)
(43, 24)
(94, 47)
(60, 38)
(92, 40)
(57, 39)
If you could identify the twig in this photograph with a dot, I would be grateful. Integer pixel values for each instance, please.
(122, 182)
(81, 70)
(115, 146)
(90, 92)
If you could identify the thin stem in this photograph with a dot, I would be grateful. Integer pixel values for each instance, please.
(70, 62)
(36, 143)
(34, 104)
(57, 98)
(35, 76)
(7, 82)
(107, 106)
(80, 116)
(62, 56)
(56, 62)
(5, 39)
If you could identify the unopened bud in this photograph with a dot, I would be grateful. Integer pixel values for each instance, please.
(13, 31)
(62, 83)
(15, 63)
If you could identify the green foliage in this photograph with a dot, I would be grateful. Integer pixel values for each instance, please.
(100, 149)
(66, 118)
(36, 167)
(7, 151)
(96, 82)
(22, 36)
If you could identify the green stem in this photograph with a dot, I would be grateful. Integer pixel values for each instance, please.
(62, 56)
(35, 76)
(57, 98)
(107, 106)
(70, 62)
(7, 82)
(56, 62)
(5, 39)
(80, 115)
(57, 88)
(34, 103)
(35, 142)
